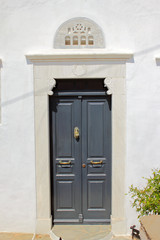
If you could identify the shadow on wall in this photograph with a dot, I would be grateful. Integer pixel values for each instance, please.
(1, 65)
(158, 62)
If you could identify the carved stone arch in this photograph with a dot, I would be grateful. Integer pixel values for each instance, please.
(79, 33)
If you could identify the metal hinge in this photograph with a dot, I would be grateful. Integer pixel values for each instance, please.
(80, 218)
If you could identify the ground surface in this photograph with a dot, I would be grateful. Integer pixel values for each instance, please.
(70, 232)
(78, 232)
(21, 236)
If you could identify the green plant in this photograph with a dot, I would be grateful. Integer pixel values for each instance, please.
(147, 200)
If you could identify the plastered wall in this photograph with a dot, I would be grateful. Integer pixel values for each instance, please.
(30, 26)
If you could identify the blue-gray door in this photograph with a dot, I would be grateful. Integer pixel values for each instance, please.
(81, 159)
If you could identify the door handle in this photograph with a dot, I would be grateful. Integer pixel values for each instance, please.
(76, 132)
(64, 163)
(99, 162)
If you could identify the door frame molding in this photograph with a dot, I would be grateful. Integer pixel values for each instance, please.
(79, 64)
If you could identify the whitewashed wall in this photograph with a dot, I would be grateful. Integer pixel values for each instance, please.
(30, 25)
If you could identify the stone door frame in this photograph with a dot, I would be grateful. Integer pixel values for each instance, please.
(79, 64)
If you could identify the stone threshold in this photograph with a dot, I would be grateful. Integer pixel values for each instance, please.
(84, 232)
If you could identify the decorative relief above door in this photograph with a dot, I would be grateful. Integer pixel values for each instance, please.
(79, 33)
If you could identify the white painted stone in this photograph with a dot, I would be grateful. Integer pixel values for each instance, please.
(0, 88)
(30, 26)
(71, 33)
(116, 87)
(53, 236)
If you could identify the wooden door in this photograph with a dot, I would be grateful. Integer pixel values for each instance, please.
(96, 155)
(66, 177)
(81, 167)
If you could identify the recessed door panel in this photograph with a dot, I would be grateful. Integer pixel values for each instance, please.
(64, 128)
(65, 196)
(95, 126)
(81, 164)
(95, 188)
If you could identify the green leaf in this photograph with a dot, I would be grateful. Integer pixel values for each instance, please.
(147, 199)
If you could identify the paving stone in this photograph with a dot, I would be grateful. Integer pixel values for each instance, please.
(68, 232)
(122, 238)
(42, 237)
(15, 236)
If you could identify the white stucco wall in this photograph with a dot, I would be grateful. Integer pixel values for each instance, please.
(26, 26)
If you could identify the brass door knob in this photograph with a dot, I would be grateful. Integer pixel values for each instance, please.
(83, 165)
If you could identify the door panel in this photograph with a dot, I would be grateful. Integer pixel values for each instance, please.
(95, 125)
(96, 154)
(95, 188)
(66, 154)
(65, 194)
(64, 128)
(78, 191)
